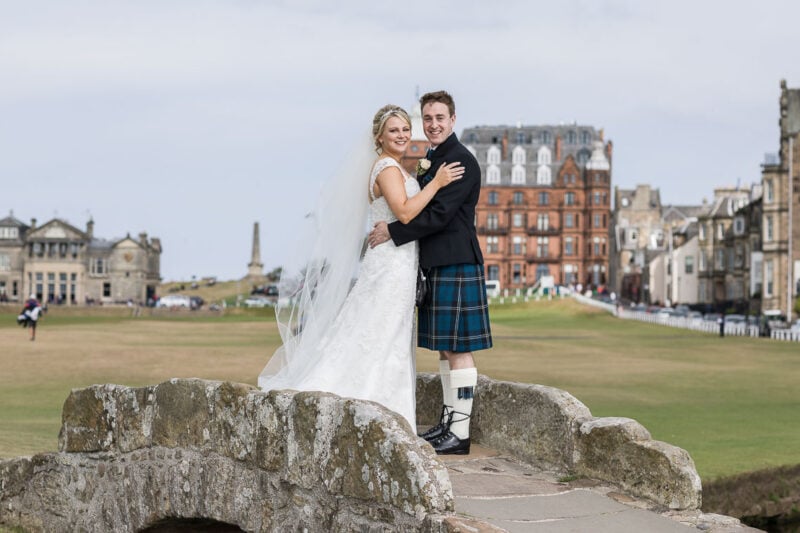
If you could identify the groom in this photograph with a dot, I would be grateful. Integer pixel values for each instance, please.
(455, 318)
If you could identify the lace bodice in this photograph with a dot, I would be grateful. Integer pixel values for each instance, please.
(379, 209)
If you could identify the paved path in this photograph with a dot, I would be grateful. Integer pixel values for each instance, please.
(494, 492)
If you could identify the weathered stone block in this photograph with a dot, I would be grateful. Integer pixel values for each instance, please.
(620, 450)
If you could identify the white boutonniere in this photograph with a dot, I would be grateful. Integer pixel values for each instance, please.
(423, 165)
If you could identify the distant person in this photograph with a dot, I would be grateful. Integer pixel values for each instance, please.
(30, 315)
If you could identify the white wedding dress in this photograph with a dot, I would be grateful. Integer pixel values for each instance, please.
(369, 350)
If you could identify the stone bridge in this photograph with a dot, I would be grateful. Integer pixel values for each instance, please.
(232, 458)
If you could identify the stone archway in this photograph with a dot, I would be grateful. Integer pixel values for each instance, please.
(193, 525)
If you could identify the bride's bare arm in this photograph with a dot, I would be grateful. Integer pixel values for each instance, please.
(391, 185)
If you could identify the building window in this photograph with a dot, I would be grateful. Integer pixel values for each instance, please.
(520, 137)
(702, 261)
(720, 231)
(518, 155)
(719, 259)
(9, 233)
(518, 246)
(542, 221)
(738, 226)
(569, 198)
(596, 198)
(518, 219)
(5, 262)
(492, 245)
(769, 275)
(569, 221)
(542, 244)
(738, 256)
(596, 247)
(542, 270)
(543, 175)
(571, 137)
(701, 231)
(493, 174)
(493, 155)
(517, 274)
(688, 267)
(544, 198)
(98, 266)
(518, 175)
(493, 272)
(491, 221)
(107, 290)
(519, 198)
(543, 156)
(769, 191)
(769, 231)
(583, 157)
(546, 137)
(492, 200)
(597, 221)
(586, 137)
(568, 246)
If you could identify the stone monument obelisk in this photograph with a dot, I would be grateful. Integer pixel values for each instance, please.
(255, 268)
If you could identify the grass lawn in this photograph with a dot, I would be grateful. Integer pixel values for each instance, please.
(731, 402)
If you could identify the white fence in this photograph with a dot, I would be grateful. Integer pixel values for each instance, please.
(696, 324)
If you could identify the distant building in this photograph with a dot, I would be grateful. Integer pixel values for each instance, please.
(781, 212)
(62, 264)
(544, 208)
(637, 234)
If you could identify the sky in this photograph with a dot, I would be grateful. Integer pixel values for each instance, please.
(191, 120)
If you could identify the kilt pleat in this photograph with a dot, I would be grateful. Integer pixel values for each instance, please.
(456, 316)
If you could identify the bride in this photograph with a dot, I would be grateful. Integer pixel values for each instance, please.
(356, 339)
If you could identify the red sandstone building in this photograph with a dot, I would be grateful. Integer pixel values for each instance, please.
(544, 208)
(545, 204)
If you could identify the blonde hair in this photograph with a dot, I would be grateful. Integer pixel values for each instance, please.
(379, 121)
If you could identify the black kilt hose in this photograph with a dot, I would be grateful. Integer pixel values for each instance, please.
(455, 316)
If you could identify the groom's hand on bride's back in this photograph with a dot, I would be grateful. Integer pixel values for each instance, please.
(379, 234)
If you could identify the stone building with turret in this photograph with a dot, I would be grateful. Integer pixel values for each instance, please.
(62, 264)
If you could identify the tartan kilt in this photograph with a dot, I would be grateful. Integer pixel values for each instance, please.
(456, 315)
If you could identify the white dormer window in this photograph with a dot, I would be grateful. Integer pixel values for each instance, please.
(9, 233)
(543, 176)
(493, 174)
(518, 156)
(543, 156)
(493, 155)
(518, 175)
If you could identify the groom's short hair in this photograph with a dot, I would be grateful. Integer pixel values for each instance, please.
(441, 97)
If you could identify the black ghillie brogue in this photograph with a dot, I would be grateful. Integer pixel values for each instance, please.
(449, 444)
(439, 429)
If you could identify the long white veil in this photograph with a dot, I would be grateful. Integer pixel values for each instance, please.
(318, 275)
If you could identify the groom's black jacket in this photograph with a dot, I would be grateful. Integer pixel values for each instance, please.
(446, 227)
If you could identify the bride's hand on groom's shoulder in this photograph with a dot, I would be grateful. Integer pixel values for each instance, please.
(378, 235)
(447, 174)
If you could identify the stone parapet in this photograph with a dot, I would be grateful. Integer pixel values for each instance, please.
(550, 428)
(188, 449)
